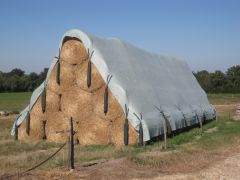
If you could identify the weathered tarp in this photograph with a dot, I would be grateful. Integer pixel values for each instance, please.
(145, 82)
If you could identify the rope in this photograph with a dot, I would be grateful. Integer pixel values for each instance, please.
(36, 166)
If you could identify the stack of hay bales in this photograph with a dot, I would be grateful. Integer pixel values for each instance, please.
(73, 98)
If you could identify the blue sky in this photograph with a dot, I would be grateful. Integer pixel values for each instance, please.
(205, 33)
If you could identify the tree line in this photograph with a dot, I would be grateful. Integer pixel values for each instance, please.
(212, 82)
(17, 81)
(220, 82)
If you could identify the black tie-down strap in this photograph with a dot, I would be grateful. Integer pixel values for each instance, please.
(89, 69)
(16, 132)
(140, 129)
(105, 108)
(58, 68)
(44, 94)
(166, 120)
(126, 127)
(28, 123)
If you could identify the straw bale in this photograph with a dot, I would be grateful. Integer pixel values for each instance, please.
(67, 76)
(57, 127)
(37, 109)
(114, 108)
(94, 130)
(52, 101)
(36, 128)
(52, 84)
(73, 52)
(81, 77)
(77, 103)
(117, 132)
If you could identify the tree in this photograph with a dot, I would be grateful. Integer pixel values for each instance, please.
(233, 75)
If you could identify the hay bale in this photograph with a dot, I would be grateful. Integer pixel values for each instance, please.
(117, 132)
(52, 83)
(73, 52)
(67, 76)
(94, 130)
(81, 77)
(52, 101)
(57, 127)
(37, 109)
(114, 108)
(36, 128)
(77, 103)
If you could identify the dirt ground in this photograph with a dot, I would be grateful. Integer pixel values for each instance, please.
(226, 166)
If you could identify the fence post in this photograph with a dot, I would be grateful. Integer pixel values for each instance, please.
(71, 145)
(165, 133)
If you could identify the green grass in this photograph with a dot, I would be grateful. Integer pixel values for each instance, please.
(14, 101)
(224, 98)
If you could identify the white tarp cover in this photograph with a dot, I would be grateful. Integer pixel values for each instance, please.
(145, 82)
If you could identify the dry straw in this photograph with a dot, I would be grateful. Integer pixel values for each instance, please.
(81, 77)
(73, 52)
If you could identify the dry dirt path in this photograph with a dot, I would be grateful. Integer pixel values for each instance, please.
(224, 168)
(228, 169)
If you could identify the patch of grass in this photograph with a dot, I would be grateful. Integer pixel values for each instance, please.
(224, 98)
(192, 149)
(14, 101)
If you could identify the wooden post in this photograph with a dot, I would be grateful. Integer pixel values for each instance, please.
(16, 132)
(165, 133)
(71, 145)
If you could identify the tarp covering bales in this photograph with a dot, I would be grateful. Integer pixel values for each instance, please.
(148, 84)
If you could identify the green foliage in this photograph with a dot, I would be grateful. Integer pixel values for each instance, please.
(17, 81)
(219, 82)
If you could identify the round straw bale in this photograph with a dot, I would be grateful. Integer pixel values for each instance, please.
(37, 108)
(81, 77)
(57, 127)
(36, 128)
(94, 130)
(117, 132)
(114, 108)
(77, 103)
(73, 52)
(52, 101)
(67, 76)
(52, 84)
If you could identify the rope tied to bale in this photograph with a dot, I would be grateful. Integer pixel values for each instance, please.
(126, 127)
(89, 69)
(105, 108)
(140, 129)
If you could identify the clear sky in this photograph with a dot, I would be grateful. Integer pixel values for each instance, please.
(206, 33)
